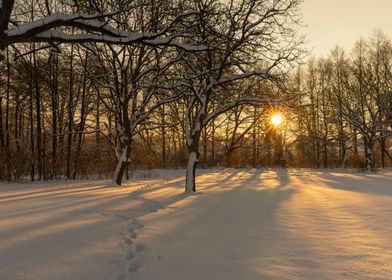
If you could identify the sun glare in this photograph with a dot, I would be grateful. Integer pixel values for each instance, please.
(276, 119)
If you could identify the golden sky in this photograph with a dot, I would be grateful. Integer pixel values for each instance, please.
(342, 22)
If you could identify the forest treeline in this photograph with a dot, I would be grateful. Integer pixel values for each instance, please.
(348, 122)
(204, 96)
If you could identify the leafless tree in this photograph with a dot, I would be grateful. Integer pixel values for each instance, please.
(249, 38)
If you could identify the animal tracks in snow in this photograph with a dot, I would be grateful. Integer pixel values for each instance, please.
(132, 258)
(131, 248)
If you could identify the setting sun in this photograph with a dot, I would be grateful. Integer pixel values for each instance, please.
(276, 119)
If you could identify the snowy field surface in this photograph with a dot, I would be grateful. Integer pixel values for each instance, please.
(242, 224)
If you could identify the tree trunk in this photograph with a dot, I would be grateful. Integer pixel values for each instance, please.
(325, 151)
(122, 165)
(368, 154)
(31, 115)
(190, 183)
(7, 106)
(97, 120)
(18, 126)
(54, 104)
(383, 147)
(2, 142)
(38, 118)
(254, 139)
(83, 116)
(70, 116)
(192, 142)
(163, 131)
(213, 142)
(175, 155)
(343, 155)
(205, 143)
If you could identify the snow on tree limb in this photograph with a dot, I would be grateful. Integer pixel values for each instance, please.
(94, 30)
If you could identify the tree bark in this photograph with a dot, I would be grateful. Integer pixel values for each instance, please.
(122, 165)
(190, 183)
(83, 116)
(254, 139)
(54, 104)
(70, 116)
(382, 147)
(163, 131)
(7, 108)
(38, 117)
(368, 154)
(31, 115)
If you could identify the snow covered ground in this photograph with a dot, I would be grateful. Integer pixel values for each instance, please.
(243, 224)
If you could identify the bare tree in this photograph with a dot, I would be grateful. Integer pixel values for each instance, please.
(129, 80)
(249, 38)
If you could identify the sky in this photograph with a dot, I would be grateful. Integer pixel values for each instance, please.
(343, 22)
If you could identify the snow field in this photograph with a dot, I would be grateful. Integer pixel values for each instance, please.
(242, 224)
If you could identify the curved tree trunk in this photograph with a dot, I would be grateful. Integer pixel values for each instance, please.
(122, 165)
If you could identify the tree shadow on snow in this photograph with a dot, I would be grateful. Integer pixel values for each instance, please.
(226, 223)
(377, 184)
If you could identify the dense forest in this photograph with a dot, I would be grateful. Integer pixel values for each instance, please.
(199, 88)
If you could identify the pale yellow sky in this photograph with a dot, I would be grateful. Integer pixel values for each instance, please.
(342, 22)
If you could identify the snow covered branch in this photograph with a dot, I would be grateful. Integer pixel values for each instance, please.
(94, 28)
